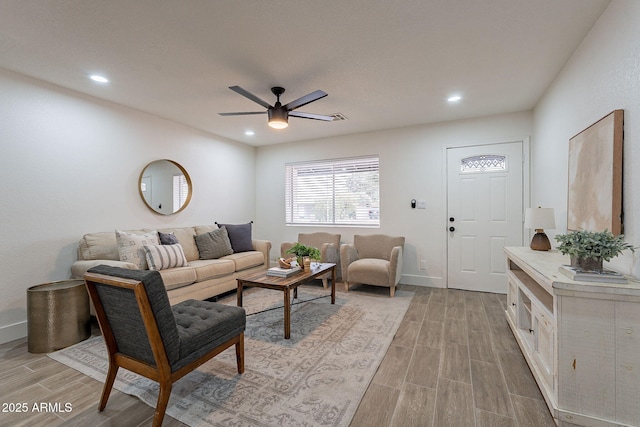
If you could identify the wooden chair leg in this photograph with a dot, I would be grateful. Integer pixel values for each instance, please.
(346, 286)
(324, 283)
(240, 354)
(163, 401)
(392, 291)
(108, 385)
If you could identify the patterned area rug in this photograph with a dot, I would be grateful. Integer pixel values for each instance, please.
(316, 378)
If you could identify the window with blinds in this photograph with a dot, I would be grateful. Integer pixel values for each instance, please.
(180, 191)
(333, 192)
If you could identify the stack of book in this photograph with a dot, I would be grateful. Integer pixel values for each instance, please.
(606, 276)
(282, 272)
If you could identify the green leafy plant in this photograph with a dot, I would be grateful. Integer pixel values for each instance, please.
(301, 251)
(587, 244)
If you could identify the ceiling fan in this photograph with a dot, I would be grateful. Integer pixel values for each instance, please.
(279, 114)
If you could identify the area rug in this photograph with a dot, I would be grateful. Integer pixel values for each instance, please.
(316, 378)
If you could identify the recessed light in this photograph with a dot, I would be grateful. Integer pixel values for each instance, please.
(249, 133)
(454, 98)
(98, 78)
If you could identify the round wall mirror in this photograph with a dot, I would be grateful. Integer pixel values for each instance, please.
(165, 187)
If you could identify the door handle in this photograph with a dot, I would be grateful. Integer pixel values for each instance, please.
(452, 229)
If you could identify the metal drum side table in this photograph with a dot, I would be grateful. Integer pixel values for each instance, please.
(58, 315)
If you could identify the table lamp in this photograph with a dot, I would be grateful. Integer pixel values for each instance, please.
(539, 219)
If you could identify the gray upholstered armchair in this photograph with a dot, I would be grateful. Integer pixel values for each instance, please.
(373, 260)
(146, 335)
(329, 245)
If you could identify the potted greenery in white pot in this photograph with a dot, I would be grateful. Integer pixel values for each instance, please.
(588, 249)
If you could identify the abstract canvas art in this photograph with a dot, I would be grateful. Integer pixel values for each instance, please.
(595, 176)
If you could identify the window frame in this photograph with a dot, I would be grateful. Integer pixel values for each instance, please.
(340, 172)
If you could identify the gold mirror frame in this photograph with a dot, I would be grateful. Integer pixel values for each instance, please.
(164, 179)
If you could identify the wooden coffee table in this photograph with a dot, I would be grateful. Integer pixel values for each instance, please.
(261, 280)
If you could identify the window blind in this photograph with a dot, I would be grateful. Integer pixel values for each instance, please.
(333, 192)
(180, 191)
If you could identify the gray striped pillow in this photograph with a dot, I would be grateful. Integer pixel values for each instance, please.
(161, 257)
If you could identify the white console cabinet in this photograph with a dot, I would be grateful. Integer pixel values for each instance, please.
(580, 339)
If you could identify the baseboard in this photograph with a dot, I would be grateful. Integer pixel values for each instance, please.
(429, 281)
(13, 332)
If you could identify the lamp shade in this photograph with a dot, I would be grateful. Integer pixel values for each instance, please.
(278, 118)
(539, 218)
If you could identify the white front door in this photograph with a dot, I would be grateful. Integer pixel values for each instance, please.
(485, 206)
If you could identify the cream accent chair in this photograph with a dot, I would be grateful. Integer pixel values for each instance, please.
(373, 260)
(329, 245)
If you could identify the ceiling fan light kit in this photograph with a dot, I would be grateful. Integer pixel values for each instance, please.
(279, 114)
(278, 118)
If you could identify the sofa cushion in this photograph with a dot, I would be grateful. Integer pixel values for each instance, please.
(131, 246)
(161, 257)
(82, 266)
(244, 260)
(178, 277)
(376, 245)
(214, 244)
(370, 271)
(201, 229)
(102, 245)
(201, 322)
(211, 268)
(240, 236)
(168, 238)
(185, 238)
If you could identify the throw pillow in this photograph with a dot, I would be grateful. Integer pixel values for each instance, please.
(168, 238)
(240, 236)
(214, 244)
(161, 257)
(131, 246)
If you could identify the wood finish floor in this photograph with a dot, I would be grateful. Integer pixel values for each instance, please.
(453, 362)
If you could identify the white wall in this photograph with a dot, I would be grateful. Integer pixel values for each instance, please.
(69, 165)
(411, 167)
(603, 75)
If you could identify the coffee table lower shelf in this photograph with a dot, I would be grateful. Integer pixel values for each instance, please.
(286, 285)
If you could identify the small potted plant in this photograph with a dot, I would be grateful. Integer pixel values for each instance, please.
(588, 249)
(303, 251)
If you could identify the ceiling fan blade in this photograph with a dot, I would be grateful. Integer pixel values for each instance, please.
(249, 95)
(310, 116)
(313, 96)
(243, 113)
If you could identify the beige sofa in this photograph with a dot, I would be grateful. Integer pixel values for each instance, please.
(201, 279)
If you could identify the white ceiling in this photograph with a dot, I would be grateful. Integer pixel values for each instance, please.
(384, 63)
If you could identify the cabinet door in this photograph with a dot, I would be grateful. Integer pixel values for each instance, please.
(586, 356)
(628, 362)
(525, 319)
(544, 337)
